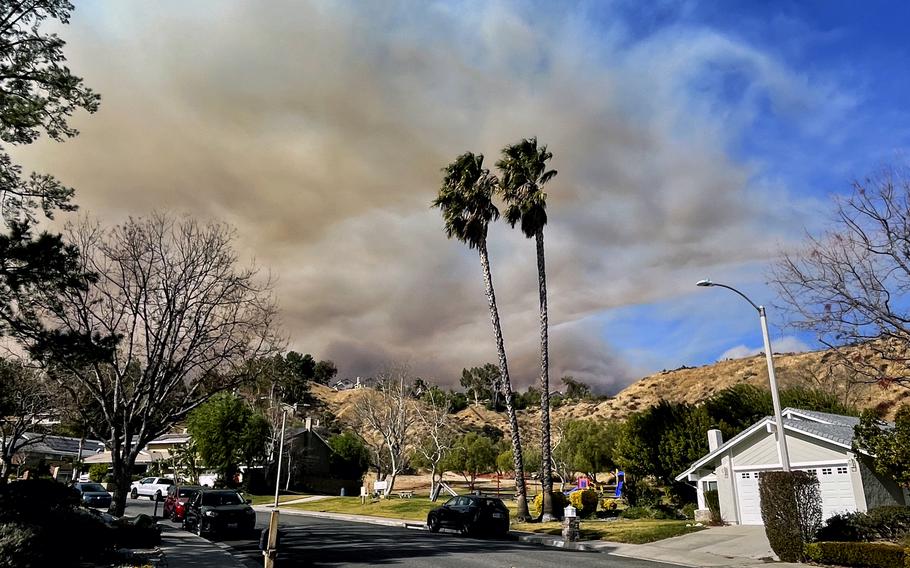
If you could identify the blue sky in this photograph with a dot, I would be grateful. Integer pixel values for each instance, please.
(692, 139)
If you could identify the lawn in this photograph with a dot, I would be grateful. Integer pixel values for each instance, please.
(269, 499)
(415, 509)
(620, 530)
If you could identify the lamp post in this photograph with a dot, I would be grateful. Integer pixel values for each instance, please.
(775, 398)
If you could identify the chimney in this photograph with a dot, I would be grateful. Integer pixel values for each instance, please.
(715, 440)
(308, 425)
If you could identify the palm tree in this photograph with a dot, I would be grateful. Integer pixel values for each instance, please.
(524, 172)
(466, 201)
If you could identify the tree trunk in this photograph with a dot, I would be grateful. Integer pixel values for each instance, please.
(520, 491)
(546, 477)
(6, 464)
(432, 481)
(78, 463)
(121, 476)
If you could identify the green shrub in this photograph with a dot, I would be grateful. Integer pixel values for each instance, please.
(712, 499)
(18, 546)
(559, 503)
(891, 523)
(881, 523)
(585, 501)
(791, 509)
(661, 512)
(848, 527)
(688, 510)
(610, 504)
(97, 472)
(637, 513)
(862, 554)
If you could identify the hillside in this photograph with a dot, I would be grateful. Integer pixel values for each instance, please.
(687, 384)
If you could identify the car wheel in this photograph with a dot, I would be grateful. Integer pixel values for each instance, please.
(174, 515)
(433, 523)
(465, 529)
(134, 494)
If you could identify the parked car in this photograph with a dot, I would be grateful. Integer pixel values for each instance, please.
(176, 500)
(93, 494)
(471, 514)
(152, 487)
(216, 511)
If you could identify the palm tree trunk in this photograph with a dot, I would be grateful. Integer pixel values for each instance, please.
(546, 477)
(520, 491)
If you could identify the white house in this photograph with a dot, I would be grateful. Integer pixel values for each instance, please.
(817, 442)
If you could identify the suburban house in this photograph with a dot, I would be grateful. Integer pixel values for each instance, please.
(306, 465)
(817, 442)
(57, 453)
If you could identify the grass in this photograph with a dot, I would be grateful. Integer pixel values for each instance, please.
(639, 531)
(269, 499)
(415, 509)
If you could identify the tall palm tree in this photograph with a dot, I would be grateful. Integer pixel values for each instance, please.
(523, 169)
(466, 201)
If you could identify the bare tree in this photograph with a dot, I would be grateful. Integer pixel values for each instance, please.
(386, 414)
(848, 284)
(25, 404)
(168, 320)
(435, 438)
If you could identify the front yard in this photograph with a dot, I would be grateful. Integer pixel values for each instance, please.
(637, 531)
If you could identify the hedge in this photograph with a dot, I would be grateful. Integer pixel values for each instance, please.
(791, 508)
(861, 554)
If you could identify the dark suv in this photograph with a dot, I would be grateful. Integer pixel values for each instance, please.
(215, 511)
(471, 514)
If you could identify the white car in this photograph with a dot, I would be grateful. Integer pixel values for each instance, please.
(151, 487)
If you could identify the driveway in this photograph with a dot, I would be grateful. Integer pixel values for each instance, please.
(733, 545)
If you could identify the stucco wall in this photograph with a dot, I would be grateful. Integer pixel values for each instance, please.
(879, 491)
(726, 492)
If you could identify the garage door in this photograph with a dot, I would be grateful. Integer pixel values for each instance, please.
(834, 484)
(836, 489)
(749, 501)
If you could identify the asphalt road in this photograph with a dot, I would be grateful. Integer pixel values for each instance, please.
(309, 541)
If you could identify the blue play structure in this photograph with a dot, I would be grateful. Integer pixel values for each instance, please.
(620, 479)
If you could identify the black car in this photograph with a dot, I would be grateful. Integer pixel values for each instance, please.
(93, 495)
(215, 511)
(471, 514)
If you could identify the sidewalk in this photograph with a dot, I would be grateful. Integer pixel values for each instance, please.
(186, 550)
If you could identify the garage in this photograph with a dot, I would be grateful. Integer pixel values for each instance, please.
(749, 500)
(817, 442)
(835, 487)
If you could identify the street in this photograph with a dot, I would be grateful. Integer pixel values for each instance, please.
(309, 541)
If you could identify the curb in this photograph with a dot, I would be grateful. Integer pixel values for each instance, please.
(551, 541)
(343, 517)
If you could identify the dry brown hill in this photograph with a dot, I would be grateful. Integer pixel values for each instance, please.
(687, 384)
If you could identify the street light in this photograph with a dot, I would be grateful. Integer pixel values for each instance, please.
(775, 398)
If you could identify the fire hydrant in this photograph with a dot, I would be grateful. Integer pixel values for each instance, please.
(570, 524)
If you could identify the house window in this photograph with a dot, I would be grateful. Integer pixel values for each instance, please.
(746, 475)
(826, 471)
(812, 471)
(709, 486)
(842, 470)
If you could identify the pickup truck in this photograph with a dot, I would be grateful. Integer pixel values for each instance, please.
(151, 487)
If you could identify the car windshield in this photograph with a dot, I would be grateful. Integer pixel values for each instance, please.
(493, 504)
(217, 499)
(187, 492)
(92, 488)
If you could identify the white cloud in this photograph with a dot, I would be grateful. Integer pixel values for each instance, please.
(787, 344)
